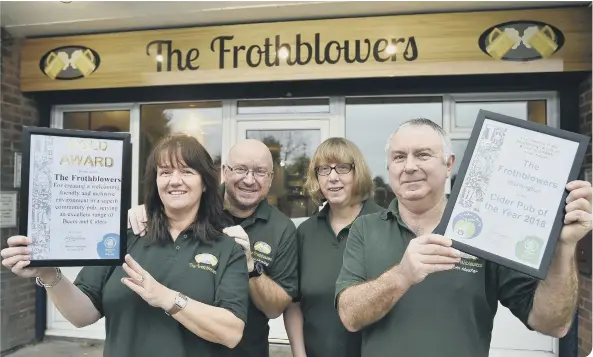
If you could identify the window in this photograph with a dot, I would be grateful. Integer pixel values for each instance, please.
(466, 112)
(202, 120)
(111, 121)
(369, 122)
(292, 150)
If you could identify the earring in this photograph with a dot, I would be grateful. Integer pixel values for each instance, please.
(204, 189)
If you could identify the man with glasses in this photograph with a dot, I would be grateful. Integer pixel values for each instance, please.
(267, 236)
(412, 294)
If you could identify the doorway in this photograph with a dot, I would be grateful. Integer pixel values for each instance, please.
(292, 142)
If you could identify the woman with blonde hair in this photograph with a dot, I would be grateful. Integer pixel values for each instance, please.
(339, 176)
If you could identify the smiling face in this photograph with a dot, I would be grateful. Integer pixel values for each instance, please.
(336, 182)
(338, 174)
(417, 166)
(179, 186)
(248, 175)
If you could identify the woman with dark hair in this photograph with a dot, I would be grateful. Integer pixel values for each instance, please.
(183, 289)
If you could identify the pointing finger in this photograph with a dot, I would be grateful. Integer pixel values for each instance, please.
(135, 266)
(132, 274)
(134, 287)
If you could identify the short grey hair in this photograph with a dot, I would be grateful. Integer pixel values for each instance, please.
(447, 146)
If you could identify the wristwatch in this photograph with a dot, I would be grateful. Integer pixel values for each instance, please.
(258, 269)
(179, 304)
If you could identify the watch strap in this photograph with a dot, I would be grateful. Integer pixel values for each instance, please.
(258, 269)
(254, 273)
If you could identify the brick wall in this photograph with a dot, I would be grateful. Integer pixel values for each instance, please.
(585, 280)
(17, 301)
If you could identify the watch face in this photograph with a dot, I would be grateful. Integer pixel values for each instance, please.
(180, 301)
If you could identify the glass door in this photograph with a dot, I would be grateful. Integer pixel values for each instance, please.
(109, 118)
(293, 143)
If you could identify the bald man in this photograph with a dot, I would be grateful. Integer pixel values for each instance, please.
(266, 235)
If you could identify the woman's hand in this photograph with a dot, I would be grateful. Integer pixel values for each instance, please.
(18, 256)
(140, 281)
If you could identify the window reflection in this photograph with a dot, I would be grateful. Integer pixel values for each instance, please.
(369, 122)
(110, 121)
(466, 113)
(459, 147)
(292, 151)
(202, 120)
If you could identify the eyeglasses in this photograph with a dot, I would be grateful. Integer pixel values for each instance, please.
(341, 169)
(244, 171)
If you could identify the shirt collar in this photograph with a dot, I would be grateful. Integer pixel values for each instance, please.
(392, 212)
(366, 209)
(263, 210)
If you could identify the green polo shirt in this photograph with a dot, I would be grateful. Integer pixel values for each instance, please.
(273, 243)
(320, 260)
(134, 328)
(449, 314)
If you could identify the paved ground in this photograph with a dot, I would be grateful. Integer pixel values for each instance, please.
(60, 348)
(55, 348)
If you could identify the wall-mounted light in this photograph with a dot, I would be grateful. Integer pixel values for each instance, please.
(159, 58)
(391, 49)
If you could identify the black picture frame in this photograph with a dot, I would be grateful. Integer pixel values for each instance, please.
(581, 140)
(124, 199)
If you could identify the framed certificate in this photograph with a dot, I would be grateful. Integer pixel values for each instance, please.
(75, 194)
(507, 204)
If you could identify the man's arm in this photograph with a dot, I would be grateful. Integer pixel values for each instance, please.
(555, 298)
(361, 303)
(551, 307)
(268, 296)
(272, 292)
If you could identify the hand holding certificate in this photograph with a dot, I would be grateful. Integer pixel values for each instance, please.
(508, 202)
(76, 187)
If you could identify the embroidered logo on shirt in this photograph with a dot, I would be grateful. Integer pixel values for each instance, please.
(469, 263)
(262, 253)
(205, 261)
